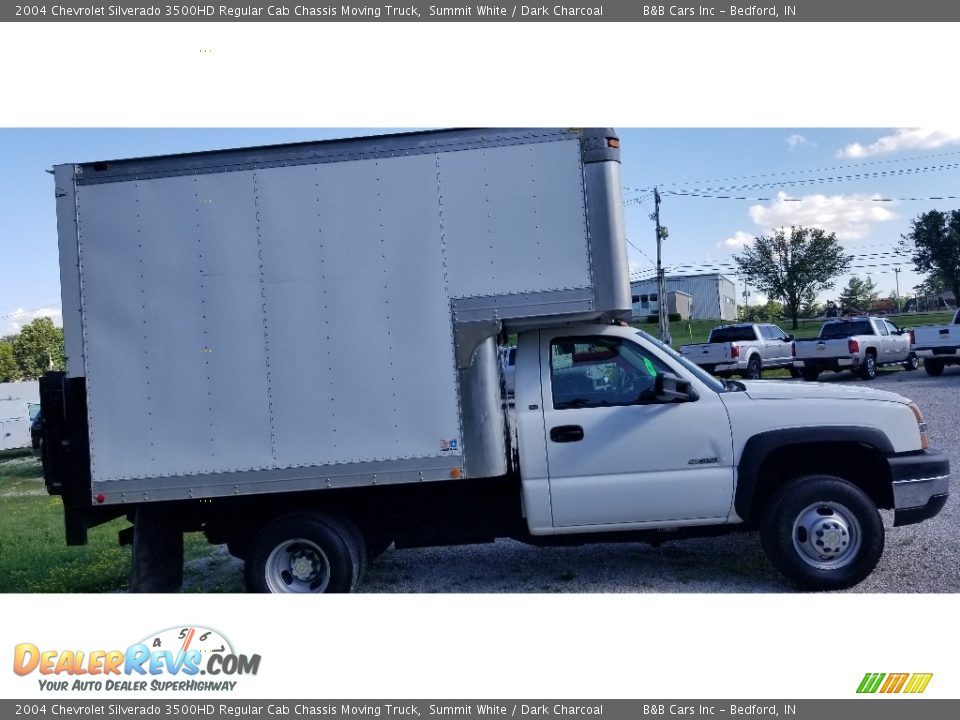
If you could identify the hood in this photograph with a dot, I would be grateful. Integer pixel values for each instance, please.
(773, 390)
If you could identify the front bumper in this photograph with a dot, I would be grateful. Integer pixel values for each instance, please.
(921, 485)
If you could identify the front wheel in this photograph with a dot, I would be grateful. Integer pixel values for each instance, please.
(794, 372)
(934, 368)
(822, 533)
(912, 362)
(306, 552)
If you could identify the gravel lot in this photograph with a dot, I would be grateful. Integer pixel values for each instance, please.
(918, 558)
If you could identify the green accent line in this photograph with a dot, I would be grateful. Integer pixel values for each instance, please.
(871, 682)
(876, 685)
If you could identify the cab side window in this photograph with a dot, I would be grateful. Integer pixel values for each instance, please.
(600, 372)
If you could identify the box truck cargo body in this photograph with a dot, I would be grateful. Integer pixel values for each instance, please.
(305, 316)
(295, 350)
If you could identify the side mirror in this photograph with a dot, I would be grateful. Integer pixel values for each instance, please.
(790, 338)
(668, 387)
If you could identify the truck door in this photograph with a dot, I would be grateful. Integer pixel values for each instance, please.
(615, 455)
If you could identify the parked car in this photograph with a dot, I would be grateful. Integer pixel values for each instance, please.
(36, 425)
(858, 344)
(938, 345)
(508, 364)
(747, 349)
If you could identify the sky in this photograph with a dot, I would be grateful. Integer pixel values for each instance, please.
(776, 177)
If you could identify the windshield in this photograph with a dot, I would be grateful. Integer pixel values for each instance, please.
(695, 370)
(832, 331)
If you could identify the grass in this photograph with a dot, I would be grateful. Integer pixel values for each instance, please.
(33, 554)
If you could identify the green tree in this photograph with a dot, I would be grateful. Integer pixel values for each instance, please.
(771, 311)
(793, 267)
(8, 364)
(860, 294)
(934, 244)
(810, 308)
(38, 347)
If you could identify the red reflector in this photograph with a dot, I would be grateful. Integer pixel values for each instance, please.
(613, 142)
(734, 351)
(101, 498)
(853, 346)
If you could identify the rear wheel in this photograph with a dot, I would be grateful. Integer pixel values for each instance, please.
(754, 369)
(868, 371)
(822, 532)
(934, 368)
(306, 553)
(810, 375)
(912, 363)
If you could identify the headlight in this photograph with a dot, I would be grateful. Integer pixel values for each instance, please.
(924, 438)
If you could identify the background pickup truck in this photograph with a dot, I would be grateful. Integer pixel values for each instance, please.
(938, 345)
(747, 349)
(858, 344)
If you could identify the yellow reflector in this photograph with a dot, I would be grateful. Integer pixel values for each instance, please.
(455, 473)
(613, 142)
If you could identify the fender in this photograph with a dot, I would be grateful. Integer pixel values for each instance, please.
(758, 448)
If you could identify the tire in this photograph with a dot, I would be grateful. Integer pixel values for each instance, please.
(868, 371)
(912, 363)
(810, 375)
(934, 368)
(754, 369)
(822, 533)
(306, 552)
(795, 372)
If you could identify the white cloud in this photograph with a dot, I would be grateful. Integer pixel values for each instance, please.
(903, 139)
(12, 324)
(797, 140)
(851, 217)
(739, 239)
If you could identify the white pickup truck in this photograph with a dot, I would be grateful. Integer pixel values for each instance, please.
(747, 349)
(938, 345)
(858, 344)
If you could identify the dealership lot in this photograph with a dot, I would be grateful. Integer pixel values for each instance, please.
(918, 558)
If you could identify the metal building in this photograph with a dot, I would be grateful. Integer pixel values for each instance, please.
(714, 295)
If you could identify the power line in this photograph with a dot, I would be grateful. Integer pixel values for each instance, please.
(816, 170)
(674, 193)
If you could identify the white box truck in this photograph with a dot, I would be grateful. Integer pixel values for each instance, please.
(294, 349)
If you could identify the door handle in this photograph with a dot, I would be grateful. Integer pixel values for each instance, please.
(566, 433)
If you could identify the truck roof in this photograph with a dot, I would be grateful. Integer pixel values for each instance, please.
(320, 151)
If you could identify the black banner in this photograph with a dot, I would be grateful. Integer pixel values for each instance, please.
(567, 11)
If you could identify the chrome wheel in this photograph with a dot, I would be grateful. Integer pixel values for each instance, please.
(297, 566)
(827, 536)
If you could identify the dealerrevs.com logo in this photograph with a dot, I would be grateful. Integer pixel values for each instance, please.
(911, 683)
(173, 659)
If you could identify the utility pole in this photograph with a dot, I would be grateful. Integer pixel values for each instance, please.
(661, 277)
(896, 274)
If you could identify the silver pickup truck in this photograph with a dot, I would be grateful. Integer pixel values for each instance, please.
(747, 349)
(858, 344)
(938, 345)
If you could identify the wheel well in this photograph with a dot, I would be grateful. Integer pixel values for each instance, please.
(858, 463)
